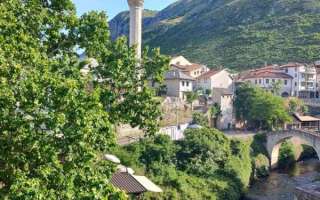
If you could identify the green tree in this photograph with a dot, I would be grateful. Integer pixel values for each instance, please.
(53, 129)
(251, 103)
(276, 87)
(203, 151)
(200, 119)
(295, 105)
(191, 97)
(215, 112)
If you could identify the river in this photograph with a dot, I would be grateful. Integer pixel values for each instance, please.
(280, 184)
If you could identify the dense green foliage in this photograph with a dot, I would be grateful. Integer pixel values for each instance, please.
(55, 122)
(205, 165)
(251, 103)
(236, 34)
(286, 155)
(200, 119)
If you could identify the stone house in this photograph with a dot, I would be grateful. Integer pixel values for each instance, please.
(177, 83)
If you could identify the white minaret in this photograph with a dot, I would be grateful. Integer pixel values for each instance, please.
(136, 10)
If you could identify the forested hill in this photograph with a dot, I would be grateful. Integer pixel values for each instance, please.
(234, 33)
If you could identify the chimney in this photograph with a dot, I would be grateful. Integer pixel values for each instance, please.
(135, 37)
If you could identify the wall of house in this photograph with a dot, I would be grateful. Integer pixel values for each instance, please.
(227, 118)
(221, 80)
(266, 83)
(304, 79)
(176, 87)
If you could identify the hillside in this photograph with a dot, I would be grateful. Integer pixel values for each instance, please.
(238, 34)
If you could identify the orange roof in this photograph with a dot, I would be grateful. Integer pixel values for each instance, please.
(209, 74)
(267, 74)
(291, 64)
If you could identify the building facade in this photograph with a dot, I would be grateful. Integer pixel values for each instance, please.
(214, 79)
(299, 80)
(193, 70)
(304, 79)
(224, 98)
(177, 83)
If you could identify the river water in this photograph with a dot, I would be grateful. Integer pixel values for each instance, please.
(280, 184)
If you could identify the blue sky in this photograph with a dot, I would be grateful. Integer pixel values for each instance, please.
(113, 7)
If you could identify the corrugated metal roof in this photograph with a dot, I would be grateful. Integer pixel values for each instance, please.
(127, 183)
(133, 184)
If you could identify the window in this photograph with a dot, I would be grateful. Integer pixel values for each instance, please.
(295, 75)
(286, 70)
(182, 83)
(187, 83)
(267, 81)
(273, 80)
(259, 81)
(256, 81)
(295, 83)
(285, 82)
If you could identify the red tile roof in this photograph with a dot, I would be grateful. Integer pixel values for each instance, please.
(291, 64)
(267, 74)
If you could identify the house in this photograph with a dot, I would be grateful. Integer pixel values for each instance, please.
(224, 98)
(296, 79)
(193, 70)
(214, 79)
(304, 79)
(267, 76)
(177, 83)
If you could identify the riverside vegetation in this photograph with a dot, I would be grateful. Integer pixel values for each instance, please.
(204, 161)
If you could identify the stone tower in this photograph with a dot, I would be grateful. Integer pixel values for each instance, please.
(135, 38)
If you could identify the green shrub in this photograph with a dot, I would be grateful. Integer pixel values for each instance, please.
(261, 166)
(286, 155)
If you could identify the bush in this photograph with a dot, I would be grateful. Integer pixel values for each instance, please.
(261, 166)
(205, 165)
(286, 155)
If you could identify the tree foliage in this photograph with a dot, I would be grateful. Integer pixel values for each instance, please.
(54, 128)
(205, 165)
(260, 108)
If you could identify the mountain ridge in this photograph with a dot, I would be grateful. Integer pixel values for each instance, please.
(238, 34)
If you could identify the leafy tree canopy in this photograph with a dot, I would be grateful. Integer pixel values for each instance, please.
(251, 103)
(56, 123)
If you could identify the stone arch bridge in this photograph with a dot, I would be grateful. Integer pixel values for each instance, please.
(275, 139)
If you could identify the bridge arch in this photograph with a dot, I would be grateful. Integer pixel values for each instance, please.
(275, 139)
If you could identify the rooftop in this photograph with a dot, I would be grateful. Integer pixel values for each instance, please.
(302, 118)
(133, 184)
(209, 74)
(177, 74)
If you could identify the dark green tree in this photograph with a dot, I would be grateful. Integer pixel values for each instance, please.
(259, 108)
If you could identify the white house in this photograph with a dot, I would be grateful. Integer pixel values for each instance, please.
(214, 79)
(193, 70)
(267, 76)
(177, 83)
(304, 79)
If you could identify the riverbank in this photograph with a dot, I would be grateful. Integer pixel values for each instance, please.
(280, 184)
